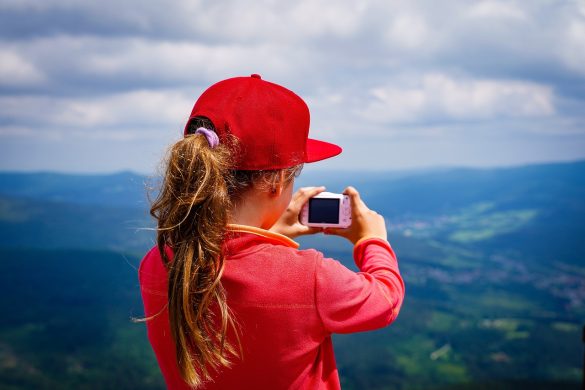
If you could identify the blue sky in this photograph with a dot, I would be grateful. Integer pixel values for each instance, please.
(107, 86)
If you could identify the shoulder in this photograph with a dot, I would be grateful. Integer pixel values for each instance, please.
(309, 255)
(313, 262)
(152, 259)
(288, 259)
(154, 253)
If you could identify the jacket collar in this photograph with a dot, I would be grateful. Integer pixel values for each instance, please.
(273, 237)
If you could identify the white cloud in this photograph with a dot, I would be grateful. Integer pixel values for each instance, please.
(17, 71)
(273, 21)
(209, 40)
(440, 97)
(183, 60)
(140, 61)
(112, 116)
(408, 31)
(573, 48)
(497, 9)
(234, 21)
(314, 18)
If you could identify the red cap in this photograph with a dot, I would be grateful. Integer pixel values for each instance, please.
(270, 122)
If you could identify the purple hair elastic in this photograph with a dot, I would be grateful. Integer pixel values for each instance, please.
(211, 136)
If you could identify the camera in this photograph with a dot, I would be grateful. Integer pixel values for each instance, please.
(327, 210)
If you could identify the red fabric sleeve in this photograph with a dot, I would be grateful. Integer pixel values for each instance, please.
(350, 301)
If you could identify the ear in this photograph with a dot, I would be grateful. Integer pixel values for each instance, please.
(278, 186)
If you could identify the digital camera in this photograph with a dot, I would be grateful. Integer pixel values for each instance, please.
(327, 210)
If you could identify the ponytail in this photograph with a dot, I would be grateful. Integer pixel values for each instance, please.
(192, 211)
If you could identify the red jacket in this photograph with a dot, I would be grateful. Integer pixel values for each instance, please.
(287, 303)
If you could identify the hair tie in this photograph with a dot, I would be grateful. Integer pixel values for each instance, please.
(211, 136)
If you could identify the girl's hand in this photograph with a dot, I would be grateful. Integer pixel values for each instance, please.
(289, 223)
(364, 222)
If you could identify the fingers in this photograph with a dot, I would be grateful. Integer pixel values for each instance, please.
(335, 231)
(312, 230)
(351, 192)
(301, 230)
(355, 198)
(303, 195)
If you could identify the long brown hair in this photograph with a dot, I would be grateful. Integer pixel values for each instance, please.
(197, 193)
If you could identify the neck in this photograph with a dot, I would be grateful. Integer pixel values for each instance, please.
(245, 216)
(251, 210)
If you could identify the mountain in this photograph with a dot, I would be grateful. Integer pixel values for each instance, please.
(124, 189)
(531, 204)
(538, 210)
(51, 210)
(494, 272)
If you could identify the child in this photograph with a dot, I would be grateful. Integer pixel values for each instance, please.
(230, 300)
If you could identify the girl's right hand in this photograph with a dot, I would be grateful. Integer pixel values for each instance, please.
(364, 222)
(289, 223)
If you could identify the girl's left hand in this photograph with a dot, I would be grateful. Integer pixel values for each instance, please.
(289, 223)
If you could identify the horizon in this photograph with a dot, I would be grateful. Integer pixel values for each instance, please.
(326, 170)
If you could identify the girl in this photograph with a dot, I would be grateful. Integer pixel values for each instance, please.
(230, 301)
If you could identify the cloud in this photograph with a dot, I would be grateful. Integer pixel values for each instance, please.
(496, 9)
(135, 44)
(205, 20)
(123, 115)
(181, 61)
(573, 48)
(17, 71)
(408, 31)
(440, 97)
(88, 63)
(392, 69)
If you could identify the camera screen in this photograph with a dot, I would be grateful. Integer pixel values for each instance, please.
(323, 210)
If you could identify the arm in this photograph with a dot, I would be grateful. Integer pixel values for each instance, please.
(370, 299)
(348, 301)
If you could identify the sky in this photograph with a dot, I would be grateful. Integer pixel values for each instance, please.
(96, 87)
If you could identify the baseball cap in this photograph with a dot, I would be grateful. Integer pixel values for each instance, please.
(270, 122)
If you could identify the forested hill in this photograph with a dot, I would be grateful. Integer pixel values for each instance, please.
(414, 192)
(525, 208)
(492, 260)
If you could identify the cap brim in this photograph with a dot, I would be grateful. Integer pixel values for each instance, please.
(320, 150)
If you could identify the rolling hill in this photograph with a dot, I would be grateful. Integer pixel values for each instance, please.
(494, 271)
